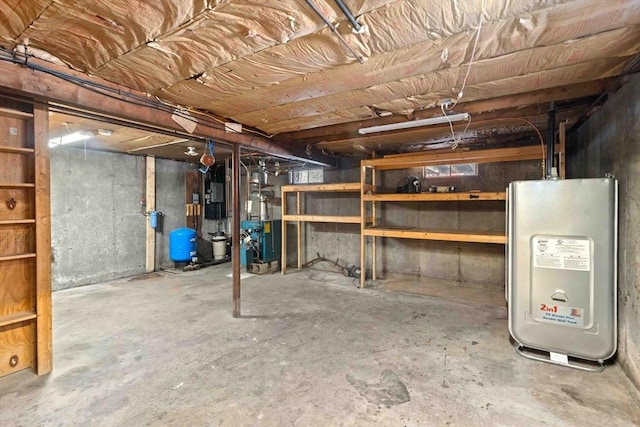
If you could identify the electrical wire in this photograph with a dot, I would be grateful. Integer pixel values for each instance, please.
(473, 53)
(534, 128)
(456, 141)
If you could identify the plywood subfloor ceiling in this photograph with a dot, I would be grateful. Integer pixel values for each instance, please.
(276, 67)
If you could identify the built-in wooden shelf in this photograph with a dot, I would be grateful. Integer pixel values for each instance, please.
(446, 235)
(17, 256)
(16, 150)
(25, 250)
(12, 319)
(411, 160)
(15, 113)
(435, 197)
(17, 185)
(300, 191)
(17, 221)
(340, 187)
(323, 218)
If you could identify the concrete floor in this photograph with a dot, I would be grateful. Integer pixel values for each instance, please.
(311, 350)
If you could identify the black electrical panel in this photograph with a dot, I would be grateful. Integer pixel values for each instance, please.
(215, 206)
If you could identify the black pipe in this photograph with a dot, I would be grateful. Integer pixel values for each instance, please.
(356, 25)
(313, 6)
(333, 30)
(551, 134)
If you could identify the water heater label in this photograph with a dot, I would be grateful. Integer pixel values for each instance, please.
(568, 316)
(564, 254)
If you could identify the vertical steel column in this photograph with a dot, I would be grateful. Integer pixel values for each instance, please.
(551, 132)
(237, 240)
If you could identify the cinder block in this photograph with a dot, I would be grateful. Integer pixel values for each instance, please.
(259, 268)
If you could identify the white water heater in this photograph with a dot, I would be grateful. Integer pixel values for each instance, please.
(561, 269)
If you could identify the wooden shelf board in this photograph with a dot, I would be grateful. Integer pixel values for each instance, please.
(15, 113)
(531, 152)
(453, 236)
(18, 256)
(323, 218)
(345, 187)
(16, 150)
(11, 319)
(16, 185)
(435, 197)
(17, 221)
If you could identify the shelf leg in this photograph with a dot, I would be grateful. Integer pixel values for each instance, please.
(363, 224)
(283, 267)
(374, 213)
(299, 231)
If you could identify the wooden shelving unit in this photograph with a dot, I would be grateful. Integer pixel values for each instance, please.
(370, 199)
(299, 217)
(25, 255)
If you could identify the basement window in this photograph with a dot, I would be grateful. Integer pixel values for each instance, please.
(462, 169)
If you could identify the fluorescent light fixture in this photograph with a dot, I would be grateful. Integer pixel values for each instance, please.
(70, 138)
(415, 123)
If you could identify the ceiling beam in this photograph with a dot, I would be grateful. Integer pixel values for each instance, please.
(37, 80)
(388, 141)
(560, 93)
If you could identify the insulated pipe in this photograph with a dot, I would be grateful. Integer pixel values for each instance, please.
(355, 24)
(551, 133)
(333, 28)
(328, 23)
(237, 239)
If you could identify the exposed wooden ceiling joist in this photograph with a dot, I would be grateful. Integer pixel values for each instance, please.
(123, 103)
(278, 68)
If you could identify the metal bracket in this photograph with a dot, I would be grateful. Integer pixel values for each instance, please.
(582, 366)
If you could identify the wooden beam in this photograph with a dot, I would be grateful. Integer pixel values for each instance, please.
(531, 152)
(323, 218)
(299, 231)
(345, 187)
(150, 258)
(435, 197)
(123, 103)
(283, 267)
(535, 114)
(563, 150)
(451, 236)
(44, 356)
(560, 93)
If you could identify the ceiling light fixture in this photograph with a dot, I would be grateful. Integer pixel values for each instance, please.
(415, 123)
(191, 151)
(70, 138)
(105, 132)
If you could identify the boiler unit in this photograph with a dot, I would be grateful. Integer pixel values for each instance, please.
(265, 237)
(561, 270)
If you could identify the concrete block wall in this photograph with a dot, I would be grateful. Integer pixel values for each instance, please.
(609, 142)
(170, 200)
(98, 230)
(97, 226)
(328, 239)
(468, 264)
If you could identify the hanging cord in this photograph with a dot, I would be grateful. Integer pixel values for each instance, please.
(473, 53)
(456, 141)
